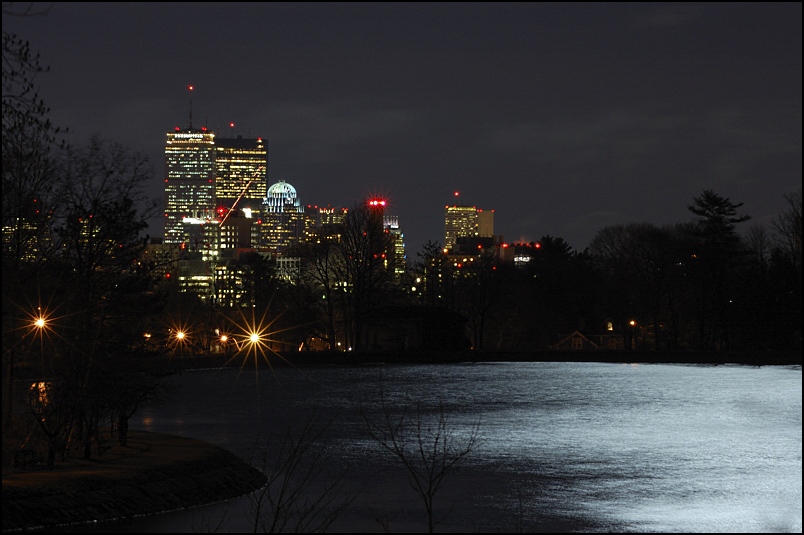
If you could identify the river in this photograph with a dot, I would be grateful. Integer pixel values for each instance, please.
(587, 447)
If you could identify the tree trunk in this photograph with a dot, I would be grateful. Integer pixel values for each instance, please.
(122, 428)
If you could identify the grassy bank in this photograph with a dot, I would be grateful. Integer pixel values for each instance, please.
(156, 472)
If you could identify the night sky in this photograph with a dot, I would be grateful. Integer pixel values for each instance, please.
(562, 118)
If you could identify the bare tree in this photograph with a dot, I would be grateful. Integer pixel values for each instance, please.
(350, 271)
(28, 138)
(23, 109)
(787, 228)
(300, 495)
(318, 276)
(429, 449)
(758, 243)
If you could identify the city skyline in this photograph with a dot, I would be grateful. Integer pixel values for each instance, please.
(562, 118)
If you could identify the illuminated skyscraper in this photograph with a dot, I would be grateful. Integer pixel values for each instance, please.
(283, 217)
(466, 222)
(485, 223)
(240, 173)
(398, 260)
(459, 221)
(332, 216)
(189, 181)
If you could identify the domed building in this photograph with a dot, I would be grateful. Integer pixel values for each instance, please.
(280, 198)
(283, 222)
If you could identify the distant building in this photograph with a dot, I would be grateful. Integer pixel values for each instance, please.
(283, 218)
(466, 222)
(236, 230)
(323, 222)
(485, 223)
(240, 175)
(459, 221)
(577, 341)
(329, 216)
(398, 259)
(189, 182)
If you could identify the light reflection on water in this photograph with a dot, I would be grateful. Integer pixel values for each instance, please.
(564, 446)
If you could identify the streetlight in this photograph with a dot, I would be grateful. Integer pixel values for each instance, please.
(224, 339)
(40, 324)
(180, 337)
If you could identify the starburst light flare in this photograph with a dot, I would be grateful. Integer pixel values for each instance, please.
(254, 340)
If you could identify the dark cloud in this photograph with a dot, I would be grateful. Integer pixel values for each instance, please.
(563, 118)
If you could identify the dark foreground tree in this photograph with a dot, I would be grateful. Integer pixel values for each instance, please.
(28, 140)
(639, 262)
(787, 229)
(350, 271)
(94, 294)
(718, 252)
(104, 213)
(302, 495)
(427, 446)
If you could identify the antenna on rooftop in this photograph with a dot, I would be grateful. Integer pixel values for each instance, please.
(190, 89)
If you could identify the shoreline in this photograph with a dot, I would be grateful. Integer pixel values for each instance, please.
(154, 474)
(26, 370)
(160, 472)
(359, 358)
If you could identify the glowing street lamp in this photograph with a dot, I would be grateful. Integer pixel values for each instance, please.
(633, 334)
(39, 323)
(179, 337)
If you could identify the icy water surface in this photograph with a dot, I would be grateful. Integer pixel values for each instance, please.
(562, 446)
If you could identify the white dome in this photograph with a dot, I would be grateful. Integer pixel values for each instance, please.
(282, 189)
(281, 197)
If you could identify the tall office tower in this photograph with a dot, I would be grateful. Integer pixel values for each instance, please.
(189, 182)
(485, 223)
(283, 218)
(391, 224)
(459, 221)
(240, 174)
